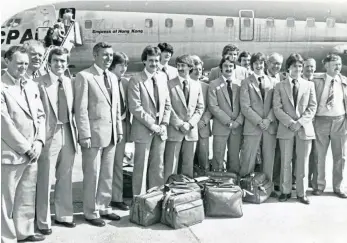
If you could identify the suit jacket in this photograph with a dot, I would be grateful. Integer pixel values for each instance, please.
(220, 106)
(205, 132)
(283, 105)
(254, 108)
(124, 91)
(171, 71)
(97, 115)
(48, 95)
(20, 126)
(181, 112)
(239, 73)
(143, 106)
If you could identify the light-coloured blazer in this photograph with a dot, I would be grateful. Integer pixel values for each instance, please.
(220, 106)
(283, 105)
(239, 73)
(254, 108)
(143, 106)
(49, 96)
(205, 132)
(127, 128)
(171, 71)
(181, 112)
(97, 115)
(20, 126)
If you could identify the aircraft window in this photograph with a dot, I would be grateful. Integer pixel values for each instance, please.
(310, 22)
(168, 23)
(229, 22)
(189, 23)
(209, 22)
(246, 22)
(16, 22)
(290, 22)
(88, 24)
(9, 23)
(270, 22)
(330, 22)
(148, 23)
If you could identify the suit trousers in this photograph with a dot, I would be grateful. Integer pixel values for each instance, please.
(202, 153)
(302, 150)
(233, 142)
(18, 189)
(330, 129)
(148, 165)
(97, 165)
(250, 149)
(179, 158)
(55, 164)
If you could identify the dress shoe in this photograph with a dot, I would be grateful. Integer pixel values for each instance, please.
(111, 216)
(289, 196)
(274, 194)
(34, 238)
(120, 205)
(45, 231)
(304, 200)
(293, 186)
(96, 222)
(283, 197)
(317, 192)
(341, 194)
(277, 188)
(66, 224)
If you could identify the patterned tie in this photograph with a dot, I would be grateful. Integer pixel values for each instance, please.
(295, 91)
(261, 87)
(230, 91)
(62, 103)
(122, 106)
(166, 72)
(156, 92)
(22, 83)
(185, 90)
(330, 100)
(107, 84)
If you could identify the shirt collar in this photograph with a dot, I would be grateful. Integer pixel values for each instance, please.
(16, 81)
(149, 75)
(99, 70)
(225, 79)
(54, 78)
(258, 76)
(329, 78)
(182, 79)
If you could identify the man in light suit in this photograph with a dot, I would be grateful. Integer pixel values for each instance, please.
(22, 138)
(240, 73)
(58, 156)
(331, 125)
(166, 53)
(224, 104)
(204, 125)
(187, 108)
(149, 102)
(119, 67)
(97, 112)
(260, 126)
(36, 51)
(295, 105)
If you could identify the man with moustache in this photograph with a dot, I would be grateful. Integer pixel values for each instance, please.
(58, 156)
(239, 73)
(260, 126)
(165, 56)
(97, 112)
(224, 104)
(187, 108)
(295, 105)
(119, 67)
(331, 125)
(22, 139)
(149, 102)
(36, 51)
(245, 60)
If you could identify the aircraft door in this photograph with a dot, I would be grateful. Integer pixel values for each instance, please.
(45, 16)
(246, 25)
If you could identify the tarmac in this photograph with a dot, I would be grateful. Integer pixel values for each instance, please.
(323, 221)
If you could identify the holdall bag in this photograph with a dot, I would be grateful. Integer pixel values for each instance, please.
(179, 180)
(146, 209)
(182, 208)
(223, 177)
(223, 200)
(259, 186)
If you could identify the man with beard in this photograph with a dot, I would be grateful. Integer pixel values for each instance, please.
(245, 61)
(36, 51)
(165, 56)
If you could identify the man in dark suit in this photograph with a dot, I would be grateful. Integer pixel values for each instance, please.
(295, 105)
(149, 102)
(119, 67)
(187, 108)
(97, 112)
(22, 139)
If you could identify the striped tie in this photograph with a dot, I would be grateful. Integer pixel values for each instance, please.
(330, 100)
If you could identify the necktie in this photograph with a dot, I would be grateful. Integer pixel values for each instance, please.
(330, 100)
(295, 91)
(230, 91)
(166, 72)
(261, 87)
(107, 84)
(185, 90)
(156, 92)
(62, 103)
(122, 106)
(22, 83)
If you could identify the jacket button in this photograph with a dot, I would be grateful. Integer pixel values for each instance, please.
(110, 121)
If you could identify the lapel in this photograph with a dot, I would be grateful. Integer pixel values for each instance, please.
(149, 87)
(267, 86)
(288, 90)
(192, 92)
(52, 94)
(179, 91)
(68, 93)
(100, 81)
(30, 98)
(223, 87)
(302, 89)
(256, 86)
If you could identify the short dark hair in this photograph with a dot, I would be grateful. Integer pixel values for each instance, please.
(119, 58)
(9, 53)
(150, 51)
(294, 58)
(228, 48)
(258, 57)
(100, 45)
(58, 51)
(331, 57)
(224, 59)
(186, 59)
(243, 54)
(166, 47)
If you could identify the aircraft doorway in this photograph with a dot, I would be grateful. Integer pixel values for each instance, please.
(246, 25)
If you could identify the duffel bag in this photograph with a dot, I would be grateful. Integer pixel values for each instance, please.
(146, 209)
(176, 180)
(259, 186)
(223, 200)
(223, 177)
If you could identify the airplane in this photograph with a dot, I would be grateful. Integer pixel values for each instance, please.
(203, 28)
